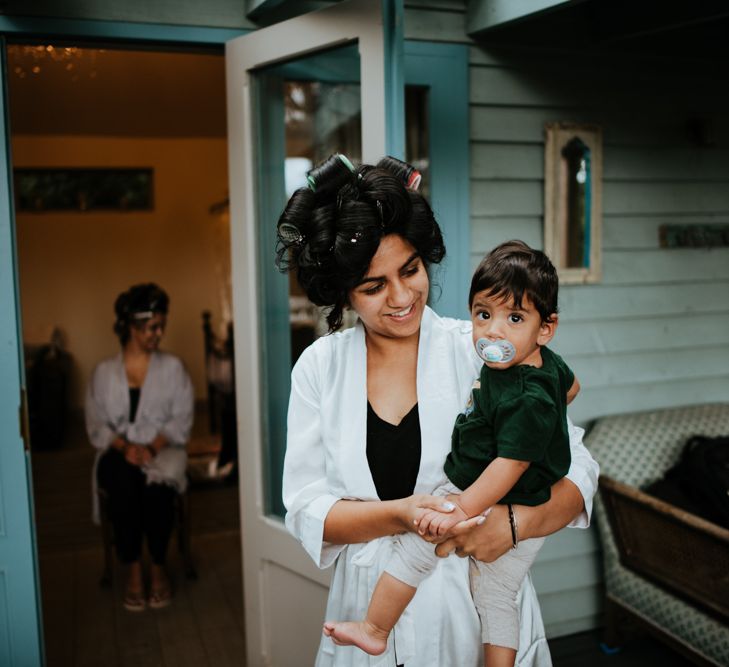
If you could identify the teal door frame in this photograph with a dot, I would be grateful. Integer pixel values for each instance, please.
(21, 627)
(443, 69)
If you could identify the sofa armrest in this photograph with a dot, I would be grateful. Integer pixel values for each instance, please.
(673, 548)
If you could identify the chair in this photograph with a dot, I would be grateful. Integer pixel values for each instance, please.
(182, 526)
(664, 568)
(219, 360)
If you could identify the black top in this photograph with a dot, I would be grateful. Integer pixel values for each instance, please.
(134, 393)
(393, 453)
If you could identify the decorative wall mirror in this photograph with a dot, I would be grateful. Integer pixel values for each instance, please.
(573, 200)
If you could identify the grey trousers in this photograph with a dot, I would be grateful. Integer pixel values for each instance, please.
(494, 586)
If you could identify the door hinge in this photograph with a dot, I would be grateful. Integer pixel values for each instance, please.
(24, 420)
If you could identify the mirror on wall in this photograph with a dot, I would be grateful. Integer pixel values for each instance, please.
(572, 198)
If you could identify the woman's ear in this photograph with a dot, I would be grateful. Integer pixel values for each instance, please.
(547, 329)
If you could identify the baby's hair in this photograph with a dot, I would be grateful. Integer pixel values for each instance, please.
(331, 229)
(513, 270)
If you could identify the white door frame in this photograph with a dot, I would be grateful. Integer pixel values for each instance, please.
(265, 541)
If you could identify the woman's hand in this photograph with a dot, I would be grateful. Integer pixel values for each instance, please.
(483, 538)
(493, 539)
(137, 455)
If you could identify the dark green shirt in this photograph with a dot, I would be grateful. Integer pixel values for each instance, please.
(517, 413)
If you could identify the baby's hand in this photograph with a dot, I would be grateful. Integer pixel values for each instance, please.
(414, 507)
(437, 524)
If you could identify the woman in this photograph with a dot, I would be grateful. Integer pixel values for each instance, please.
(371, 414)
(139, 411)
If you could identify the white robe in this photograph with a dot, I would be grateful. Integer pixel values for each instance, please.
(326, 461)
(166, 405)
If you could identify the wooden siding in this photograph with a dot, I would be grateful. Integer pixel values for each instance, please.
(655, 331)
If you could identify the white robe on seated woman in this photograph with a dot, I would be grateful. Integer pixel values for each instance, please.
(166, 405)
(326, 461)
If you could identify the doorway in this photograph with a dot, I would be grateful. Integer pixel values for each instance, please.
(120, 174)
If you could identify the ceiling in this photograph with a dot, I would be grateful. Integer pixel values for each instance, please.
(57, 89)
(675, 29)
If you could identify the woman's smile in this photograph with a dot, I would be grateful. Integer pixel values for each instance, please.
(401, 314)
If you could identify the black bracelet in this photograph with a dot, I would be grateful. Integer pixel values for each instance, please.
(514, 527)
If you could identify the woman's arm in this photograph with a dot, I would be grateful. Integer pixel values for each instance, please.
(570, 504)
(492, 538)
(354, 521)
(100, 433)
(176, 430)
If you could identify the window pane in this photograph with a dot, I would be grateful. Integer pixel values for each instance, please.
(417, 149)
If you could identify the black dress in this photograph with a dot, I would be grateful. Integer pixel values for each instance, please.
(136, 509)
(393, 454)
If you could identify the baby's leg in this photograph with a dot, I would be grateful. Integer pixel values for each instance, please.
(412, 560)
(388, 602)
(495, 587)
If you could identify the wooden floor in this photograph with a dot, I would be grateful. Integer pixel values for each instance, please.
(86, 626)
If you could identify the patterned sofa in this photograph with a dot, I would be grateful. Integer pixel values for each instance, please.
(636, 449)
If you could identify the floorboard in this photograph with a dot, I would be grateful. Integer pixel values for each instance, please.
(219, 621)
(58, 603)
(85, 625)
(179, 631)
(94, 621)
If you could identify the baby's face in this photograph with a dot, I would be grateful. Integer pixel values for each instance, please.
(495, 318)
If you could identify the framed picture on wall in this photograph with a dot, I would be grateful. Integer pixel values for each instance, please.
(83, 189)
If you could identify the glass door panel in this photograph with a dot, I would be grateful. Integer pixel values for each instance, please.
(307, 109)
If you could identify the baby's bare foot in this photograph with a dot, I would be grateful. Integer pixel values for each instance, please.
(362, 635)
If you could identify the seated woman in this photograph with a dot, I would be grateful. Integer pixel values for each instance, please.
(139, 412)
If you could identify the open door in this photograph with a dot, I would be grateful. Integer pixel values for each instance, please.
(329, 81)
(20, 642)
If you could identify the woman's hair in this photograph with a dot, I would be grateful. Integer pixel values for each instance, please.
(330, 230)
(138, 303)
(513, 270)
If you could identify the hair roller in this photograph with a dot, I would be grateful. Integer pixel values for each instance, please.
(142, 300)
(408, 174)
(335, 172)
(292, 226)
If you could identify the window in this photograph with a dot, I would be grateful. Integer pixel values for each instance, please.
(572, 200)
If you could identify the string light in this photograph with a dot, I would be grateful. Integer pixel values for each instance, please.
(36, 59)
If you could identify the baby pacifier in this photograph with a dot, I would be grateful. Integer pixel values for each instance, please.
(495, 351)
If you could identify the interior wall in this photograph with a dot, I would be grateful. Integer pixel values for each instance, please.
(73, 265)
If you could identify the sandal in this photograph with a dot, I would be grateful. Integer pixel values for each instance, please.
(134, 601)
(160, 599)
